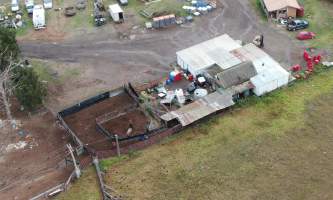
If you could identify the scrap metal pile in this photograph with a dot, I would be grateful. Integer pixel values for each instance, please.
(10, 20)
(192, 9)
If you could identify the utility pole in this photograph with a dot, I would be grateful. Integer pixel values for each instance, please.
(77, 169)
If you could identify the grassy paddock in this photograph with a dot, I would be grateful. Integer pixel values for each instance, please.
(320, 15)
(257, 5)
(86, 188)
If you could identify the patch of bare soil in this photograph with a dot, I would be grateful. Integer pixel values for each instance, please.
(32, 157)
(121, 124)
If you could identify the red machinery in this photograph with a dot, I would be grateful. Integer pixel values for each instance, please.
(316, 59)
(296, 68)
(311, 61)
(306, 56)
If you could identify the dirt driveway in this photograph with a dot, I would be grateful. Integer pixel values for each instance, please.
(111, 60)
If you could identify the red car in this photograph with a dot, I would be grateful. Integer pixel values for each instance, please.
(305, 35)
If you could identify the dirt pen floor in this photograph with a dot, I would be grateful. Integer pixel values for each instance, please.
(83, 123)
(120, 124)
(31, 156)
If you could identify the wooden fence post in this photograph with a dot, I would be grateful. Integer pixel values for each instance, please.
(117, 143)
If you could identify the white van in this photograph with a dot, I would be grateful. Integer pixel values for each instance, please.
(48, 4)
(15, 6)
(29, 5)
(38, 17)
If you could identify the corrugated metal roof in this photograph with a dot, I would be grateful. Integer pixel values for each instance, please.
(201, 108)
(210, 52)
(273, 5)
(236, 75)
(260, 59)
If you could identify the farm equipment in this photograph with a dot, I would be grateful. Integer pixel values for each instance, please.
(99, 4)
(259, 41)
(99, 19)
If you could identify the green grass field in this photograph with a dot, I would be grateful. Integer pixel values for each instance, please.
(320, 15)
(83, 188)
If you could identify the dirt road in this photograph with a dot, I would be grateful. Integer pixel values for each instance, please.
(146, 55)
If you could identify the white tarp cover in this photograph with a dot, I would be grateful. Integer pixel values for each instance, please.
(203, 55)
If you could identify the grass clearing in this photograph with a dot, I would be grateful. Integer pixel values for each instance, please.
(52, 73)
(42, 71)
(321, 22)
(258, 8)
(85, 188)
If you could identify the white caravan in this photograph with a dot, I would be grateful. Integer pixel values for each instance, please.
(38, 17)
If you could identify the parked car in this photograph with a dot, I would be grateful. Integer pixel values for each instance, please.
(306, 35)
(29, 5)
(123, 2)
(48, 4)
(297, 24)
(15, 6)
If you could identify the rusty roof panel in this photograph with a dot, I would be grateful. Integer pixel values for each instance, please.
(201, 108)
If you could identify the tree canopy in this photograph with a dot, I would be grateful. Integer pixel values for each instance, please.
(24, 81)
(29, 90)
(9, 50)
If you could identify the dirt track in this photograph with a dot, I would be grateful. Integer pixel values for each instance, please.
(147, 55)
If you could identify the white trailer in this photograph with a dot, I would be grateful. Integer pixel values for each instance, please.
(116, 13)
(38, 17)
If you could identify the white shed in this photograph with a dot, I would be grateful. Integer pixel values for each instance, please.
(271, 75)
(116, 13)
(269, 80)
